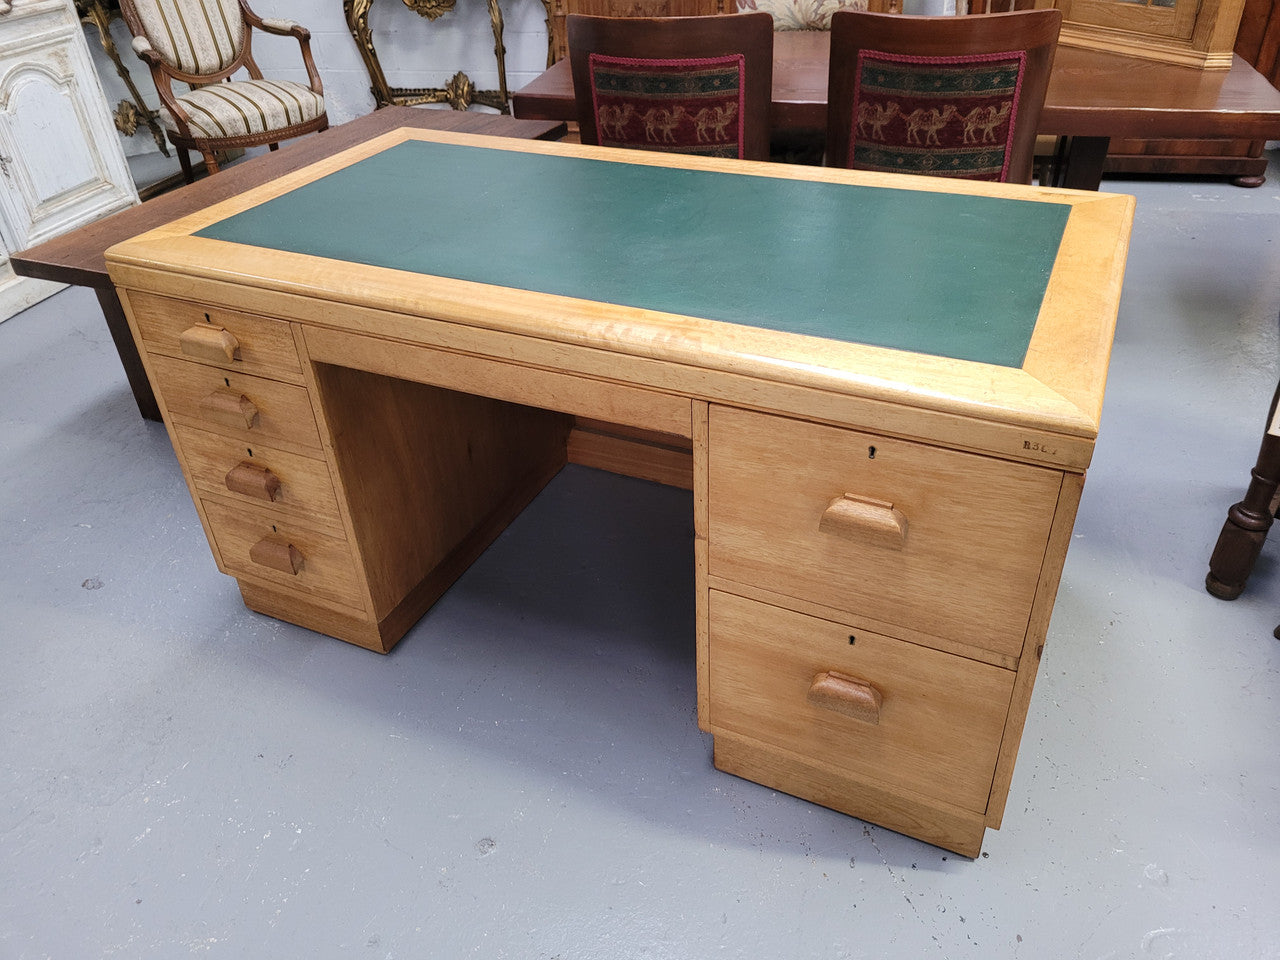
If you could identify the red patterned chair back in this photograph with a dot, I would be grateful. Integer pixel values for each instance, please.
(699, 85)
(941, 96)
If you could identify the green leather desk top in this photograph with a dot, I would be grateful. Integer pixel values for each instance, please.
(953, 276)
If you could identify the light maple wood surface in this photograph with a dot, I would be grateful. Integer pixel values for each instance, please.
(355, 436)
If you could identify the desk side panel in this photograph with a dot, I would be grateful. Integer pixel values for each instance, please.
(430, 477)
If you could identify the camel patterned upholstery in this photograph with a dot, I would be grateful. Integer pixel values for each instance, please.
(681, 106)
(942, 116)
(953, 96)
(698, 85)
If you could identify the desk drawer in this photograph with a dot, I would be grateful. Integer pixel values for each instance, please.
(946, 543)
(251, 408)
(936, 731)
(264, 546)
(259, 475)
(232, 340)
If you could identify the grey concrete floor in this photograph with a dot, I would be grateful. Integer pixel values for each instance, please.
(522, 777)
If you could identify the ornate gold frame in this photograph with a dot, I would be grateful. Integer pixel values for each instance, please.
(460, 92)
(99, 14)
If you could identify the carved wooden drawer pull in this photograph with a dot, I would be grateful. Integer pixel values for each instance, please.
(866, 520)
(853, 698)
(284, 557)
(231, 408)
(207, 342)
(251, 480)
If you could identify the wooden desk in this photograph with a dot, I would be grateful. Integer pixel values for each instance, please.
(77, 258)
(889, 423)
(1092, 97)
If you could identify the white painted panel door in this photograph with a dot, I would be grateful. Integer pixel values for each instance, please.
(61, 163)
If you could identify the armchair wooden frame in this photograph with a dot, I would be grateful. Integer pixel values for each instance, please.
(164, 73)
(1033, 31)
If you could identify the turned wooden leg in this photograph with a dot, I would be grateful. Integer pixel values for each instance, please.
(1248, 521)
(210, 161)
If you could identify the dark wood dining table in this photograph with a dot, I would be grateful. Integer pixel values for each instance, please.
(1093, 97)
(77, 257)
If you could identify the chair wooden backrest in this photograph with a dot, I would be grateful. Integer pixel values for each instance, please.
(942, 96)
(204, 43)
(559, 40)
(698, 85)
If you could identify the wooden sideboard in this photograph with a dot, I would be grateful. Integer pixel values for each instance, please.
(1258, 43)
(885, 424)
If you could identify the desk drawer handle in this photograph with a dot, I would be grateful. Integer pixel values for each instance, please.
(853, 698)
(865, 519)
(284, 557)
(207, 342)
(251, 480)
(231, 409)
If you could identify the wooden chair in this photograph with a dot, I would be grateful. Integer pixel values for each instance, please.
(698, 85)
(942, 96)
(203, 43)
(558, 40)
(1248, 522)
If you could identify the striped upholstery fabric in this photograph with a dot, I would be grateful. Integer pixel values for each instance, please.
(246, 107)
(199, 38)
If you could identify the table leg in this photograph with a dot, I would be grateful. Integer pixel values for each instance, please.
(118, 324)
(1248, 521)
(1080, 167)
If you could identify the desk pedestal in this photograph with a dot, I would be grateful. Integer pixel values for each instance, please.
(873, 652)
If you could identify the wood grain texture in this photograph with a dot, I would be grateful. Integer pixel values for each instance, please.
(548, 388)
(305, 486)
(865, 519)
(967, 571)
(940, 721)
(630, 456)
(1092, 93)
(701, 582)
(408, 419)
(328, 569)
(916, 420)
(943, 825)
(175, 327)
(1064, 518)
(313, 612)
(420, 467)
(1046, 401)
(194, 392)
(847, 696)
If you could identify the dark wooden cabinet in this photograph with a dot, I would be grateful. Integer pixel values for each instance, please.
(1258, 42)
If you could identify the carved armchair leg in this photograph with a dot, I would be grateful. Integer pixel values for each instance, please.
(210, 161)
(1248, 521)
(184, 158)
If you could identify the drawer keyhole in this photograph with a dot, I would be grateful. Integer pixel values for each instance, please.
(871, 453)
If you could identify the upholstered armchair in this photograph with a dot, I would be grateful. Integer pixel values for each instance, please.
(203, 43)
(802, 14)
